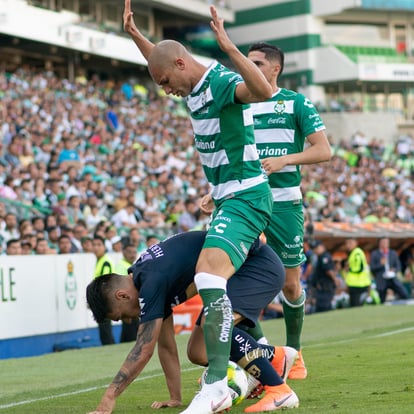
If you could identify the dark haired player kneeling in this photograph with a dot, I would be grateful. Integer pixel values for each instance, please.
(162, 278)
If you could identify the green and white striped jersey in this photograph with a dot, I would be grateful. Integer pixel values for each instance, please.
(281, 125)
(224, 135)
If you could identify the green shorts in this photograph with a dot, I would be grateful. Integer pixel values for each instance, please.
(237, 222)
(285, 232)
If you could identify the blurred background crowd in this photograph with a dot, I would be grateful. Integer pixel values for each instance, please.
(97, 157)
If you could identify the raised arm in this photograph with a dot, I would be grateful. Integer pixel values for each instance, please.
(137, 359)
(255, 87)
(143, 44)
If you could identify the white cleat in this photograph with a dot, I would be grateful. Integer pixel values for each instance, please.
(213, 398)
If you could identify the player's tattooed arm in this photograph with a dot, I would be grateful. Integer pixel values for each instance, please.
(138, 357)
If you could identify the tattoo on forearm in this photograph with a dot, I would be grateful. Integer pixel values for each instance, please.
(145, 336)
(125, 375)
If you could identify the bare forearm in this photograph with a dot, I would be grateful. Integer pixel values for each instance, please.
(169, 359)
(312, 155)
(171, 367)
(144, 45)
(136, 360)
(255, 81)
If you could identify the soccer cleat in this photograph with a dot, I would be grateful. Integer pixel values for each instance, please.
(213, 398)
(284, 359)
(255, 388)
(298, 370)
(277, 397)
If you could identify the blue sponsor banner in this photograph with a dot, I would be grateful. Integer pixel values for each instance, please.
(388, 4)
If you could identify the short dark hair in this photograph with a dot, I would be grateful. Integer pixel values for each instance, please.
(271, 52)
(97, 295)
(100, 238)
(12, 241)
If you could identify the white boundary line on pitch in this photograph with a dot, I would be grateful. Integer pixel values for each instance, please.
(398, 331)
(67, 394)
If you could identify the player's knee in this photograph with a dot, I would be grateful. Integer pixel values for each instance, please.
(196, 356)
(292, 289)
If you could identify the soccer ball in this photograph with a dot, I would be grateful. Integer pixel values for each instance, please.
(236, 380)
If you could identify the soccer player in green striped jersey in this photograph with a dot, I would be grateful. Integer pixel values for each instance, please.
(218, 100)
(282, 125)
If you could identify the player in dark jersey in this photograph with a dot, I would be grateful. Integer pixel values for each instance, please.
(162, 278)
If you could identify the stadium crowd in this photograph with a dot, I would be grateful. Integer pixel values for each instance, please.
(117, 158)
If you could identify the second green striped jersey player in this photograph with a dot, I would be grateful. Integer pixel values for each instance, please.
(282, 124)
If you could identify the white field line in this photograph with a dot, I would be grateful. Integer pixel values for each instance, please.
(68, 394)
(396, 332)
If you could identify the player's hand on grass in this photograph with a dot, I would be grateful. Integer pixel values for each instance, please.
(106, 406)
(165, 404)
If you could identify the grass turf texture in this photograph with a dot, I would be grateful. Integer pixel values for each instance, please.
(359, 361)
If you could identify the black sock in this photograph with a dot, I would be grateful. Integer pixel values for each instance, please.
(253, 357)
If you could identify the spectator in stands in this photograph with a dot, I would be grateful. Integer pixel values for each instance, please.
(10, 229)
(29, 237)
(87, 245)
(42, 247)
(385, 266)
(38, 224)
(151, 239)
(93, 210)
(64, 244)
(69, 156)
(74, 210)
(67, 230)
(357, 275)
(13, 247)
(126, 218)
(116, 244)
(79, 232)
(27, 247)
(53, 234)
(188, 220)
(135, 238)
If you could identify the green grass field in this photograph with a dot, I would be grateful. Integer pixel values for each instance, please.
(359, 361)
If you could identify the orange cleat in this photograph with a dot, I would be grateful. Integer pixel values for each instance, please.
(284, 359)
(298, 370)
(276, 397)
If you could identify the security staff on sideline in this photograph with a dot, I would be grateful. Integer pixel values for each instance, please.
(104, 265)
(323, 278)
(129, 256)
(357, 276)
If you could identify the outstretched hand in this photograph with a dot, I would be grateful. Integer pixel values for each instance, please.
(128, 17)
(165, 404)
(217, 26)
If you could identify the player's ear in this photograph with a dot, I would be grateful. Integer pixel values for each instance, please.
(121, 294)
